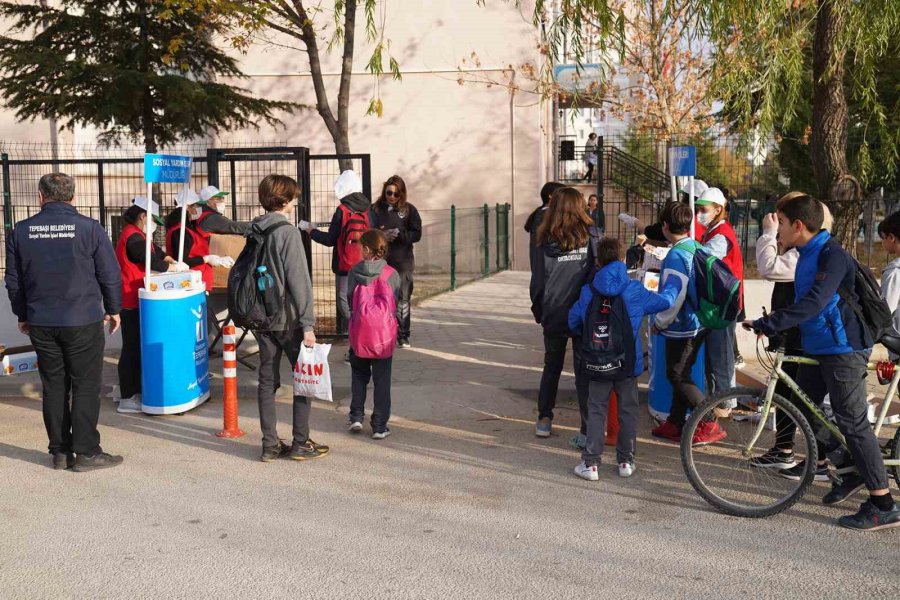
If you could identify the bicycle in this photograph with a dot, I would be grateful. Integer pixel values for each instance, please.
(722, 472)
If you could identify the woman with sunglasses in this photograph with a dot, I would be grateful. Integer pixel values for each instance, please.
(402, 225)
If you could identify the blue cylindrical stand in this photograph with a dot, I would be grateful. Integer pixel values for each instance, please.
(660, 402)
(174, 350)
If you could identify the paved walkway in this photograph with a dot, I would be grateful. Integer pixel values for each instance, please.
(461, 502)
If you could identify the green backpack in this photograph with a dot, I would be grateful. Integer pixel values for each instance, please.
(718, 290)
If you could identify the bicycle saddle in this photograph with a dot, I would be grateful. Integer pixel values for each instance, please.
(891, 342)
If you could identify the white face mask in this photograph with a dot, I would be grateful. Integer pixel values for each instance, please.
(704, 218)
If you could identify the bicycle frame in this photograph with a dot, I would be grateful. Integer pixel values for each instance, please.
(777, 374)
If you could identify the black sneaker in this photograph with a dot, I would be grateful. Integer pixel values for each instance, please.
(308, 451)
(796, 472)
(63, 460)
(851, 484)
(870, 518)
(83, 462)
(774, 459)
(403, 343)
(273, 453)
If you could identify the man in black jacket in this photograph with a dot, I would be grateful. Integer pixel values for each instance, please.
(64, 282)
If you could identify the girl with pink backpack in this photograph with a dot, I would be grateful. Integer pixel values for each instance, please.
(372, 288)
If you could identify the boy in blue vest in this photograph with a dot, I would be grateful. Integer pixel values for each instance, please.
(832, 333)
(612, 280)
(681, 328)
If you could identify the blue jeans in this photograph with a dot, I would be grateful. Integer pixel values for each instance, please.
(720, 359)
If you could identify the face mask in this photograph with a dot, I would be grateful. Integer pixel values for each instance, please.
(704, 218)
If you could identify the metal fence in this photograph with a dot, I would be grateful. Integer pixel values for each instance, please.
(458, 245)
(634, 180)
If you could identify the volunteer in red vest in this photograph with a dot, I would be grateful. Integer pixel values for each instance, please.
(131, 253)
(719, 238)
(196, 244)
(352, 218)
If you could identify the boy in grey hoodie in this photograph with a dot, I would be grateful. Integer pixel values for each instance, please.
(286, 263)
(374, 247)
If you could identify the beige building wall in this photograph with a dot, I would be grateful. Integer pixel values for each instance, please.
(453, 144)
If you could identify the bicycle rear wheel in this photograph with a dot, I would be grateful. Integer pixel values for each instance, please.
(722, 473)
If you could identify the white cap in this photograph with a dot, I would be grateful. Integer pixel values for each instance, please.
(699, 187)
(141, 202)
(211, 191)
(186, 196)
(712, 196)
(347, 183)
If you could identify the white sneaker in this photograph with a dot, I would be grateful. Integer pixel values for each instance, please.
(381, 434)
(626, 469)
(130, 405)
(355, 427)
(587, 472)
(115, 394)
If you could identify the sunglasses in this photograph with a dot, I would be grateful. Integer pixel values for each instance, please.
(392, 194)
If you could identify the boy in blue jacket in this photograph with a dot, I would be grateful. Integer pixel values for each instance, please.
(833, 334)
(612, 280)
(681, 328)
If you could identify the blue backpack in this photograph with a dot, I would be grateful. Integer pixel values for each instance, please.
(607, 339)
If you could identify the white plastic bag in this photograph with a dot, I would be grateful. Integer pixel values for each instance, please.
(312, 377)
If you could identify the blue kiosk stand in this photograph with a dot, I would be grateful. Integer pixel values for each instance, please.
(174, 350)
(660, 402)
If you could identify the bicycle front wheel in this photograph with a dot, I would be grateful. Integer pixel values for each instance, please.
(729, 473)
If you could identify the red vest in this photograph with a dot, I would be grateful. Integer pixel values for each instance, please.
(733, 257)
(199, 248)
(132, 273)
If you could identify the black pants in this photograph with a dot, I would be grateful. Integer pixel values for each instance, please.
(364, 369)
(272, 345)
(590, 172)
(843, 376)
(554, 357)
(130, 358)
(403, 306)
(71, 356)
(681, 354)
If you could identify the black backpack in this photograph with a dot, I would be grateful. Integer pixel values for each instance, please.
(607, 339)
(872, 310)
(248, 307)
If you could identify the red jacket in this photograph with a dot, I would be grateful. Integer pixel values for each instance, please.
(132, 273)
(199, 248)
(733, 257)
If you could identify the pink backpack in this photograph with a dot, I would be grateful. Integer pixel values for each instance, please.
(373, 321)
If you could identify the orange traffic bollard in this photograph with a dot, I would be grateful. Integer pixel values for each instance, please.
(612, 420)
(229, 372)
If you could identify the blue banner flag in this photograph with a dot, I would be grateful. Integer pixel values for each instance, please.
(167, 168)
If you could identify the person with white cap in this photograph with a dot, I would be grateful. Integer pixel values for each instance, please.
(720, 239)
(353, 217)
(196, 243)
(131, 253)
(210, 219)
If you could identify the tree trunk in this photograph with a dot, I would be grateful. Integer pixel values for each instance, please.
(342, 141)
(828, 142)
(337, 128)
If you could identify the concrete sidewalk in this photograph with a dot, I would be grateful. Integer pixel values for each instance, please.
(462, 501)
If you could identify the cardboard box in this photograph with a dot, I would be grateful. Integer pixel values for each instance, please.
(191, 280)
(224, 245)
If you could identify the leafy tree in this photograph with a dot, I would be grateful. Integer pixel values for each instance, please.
(135, 69)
